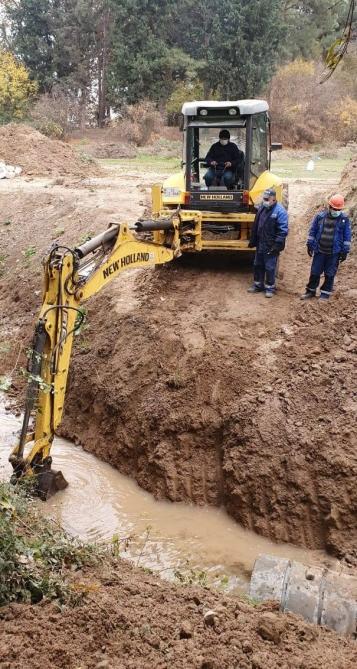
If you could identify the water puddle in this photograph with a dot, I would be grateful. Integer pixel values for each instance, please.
(202, 543)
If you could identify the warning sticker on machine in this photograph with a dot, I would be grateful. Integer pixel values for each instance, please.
(225, 196)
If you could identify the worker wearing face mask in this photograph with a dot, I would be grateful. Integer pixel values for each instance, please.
(328, 244)
(225, 162)
(268, 235)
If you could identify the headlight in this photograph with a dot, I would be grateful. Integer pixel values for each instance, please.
(172, 192)
(232, 111)
(203, 112)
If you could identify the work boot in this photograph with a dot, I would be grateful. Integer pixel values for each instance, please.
(308, 295)
(255, 289)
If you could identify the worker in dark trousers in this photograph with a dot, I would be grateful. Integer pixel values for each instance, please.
(225, 162)
(268, 235)
(328, 244)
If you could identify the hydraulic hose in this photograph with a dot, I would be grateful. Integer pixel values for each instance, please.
(148, 226)
(94, 243)
(34, 368)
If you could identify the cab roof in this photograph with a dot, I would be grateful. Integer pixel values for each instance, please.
(244, 106)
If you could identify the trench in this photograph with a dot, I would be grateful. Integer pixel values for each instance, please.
(176, 540)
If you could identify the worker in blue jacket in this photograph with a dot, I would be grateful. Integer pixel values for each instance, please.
(328, 243)
(268, 235)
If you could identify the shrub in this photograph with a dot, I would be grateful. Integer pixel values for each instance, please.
(183, 92)
(140, 122)
(36, 556)
(56, 113)
(346, 115)
(304, 111)
(16, 88)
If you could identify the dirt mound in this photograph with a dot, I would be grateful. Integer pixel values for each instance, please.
(132, 620)
(111, 150)
(38, 155)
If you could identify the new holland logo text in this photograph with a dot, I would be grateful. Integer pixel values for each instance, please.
(130, 259)
(217, 197)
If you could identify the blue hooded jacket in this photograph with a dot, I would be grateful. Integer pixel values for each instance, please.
(342, 233)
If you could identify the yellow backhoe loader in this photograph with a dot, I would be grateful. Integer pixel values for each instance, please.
(185, 213)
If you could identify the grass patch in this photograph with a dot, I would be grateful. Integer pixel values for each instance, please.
(37, 558)
(295, 168)
(29, 252)
(145, 162)
(292, 168)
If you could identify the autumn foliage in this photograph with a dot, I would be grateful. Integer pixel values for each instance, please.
(16, 88)
(306, 111)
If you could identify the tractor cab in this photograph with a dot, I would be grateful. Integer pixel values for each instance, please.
(224, 205)
(248, 124)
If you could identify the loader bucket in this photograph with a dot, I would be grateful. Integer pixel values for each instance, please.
(49, 482)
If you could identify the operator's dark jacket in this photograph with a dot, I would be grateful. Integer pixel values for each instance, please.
(224, 154)
(274, 230)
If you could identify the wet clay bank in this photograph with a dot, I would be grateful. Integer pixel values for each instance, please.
(205, 394)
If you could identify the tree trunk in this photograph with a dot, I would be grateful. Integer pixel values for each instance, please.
(103, 54)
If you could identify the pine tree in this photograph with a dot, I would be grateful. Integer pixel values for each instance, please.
(32, 37)
(312, 25)
(145, 63)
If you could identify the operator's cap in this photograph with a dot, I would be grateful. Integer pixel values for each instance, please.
(269, 192)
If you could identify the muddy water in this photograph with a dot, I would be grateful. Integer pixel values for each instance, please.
(166, 537)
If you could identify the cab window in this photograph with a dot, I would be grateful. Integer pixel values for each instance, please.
(259, 160)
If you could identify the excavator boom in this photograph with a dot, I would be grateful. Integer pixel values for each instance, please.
(71, 276)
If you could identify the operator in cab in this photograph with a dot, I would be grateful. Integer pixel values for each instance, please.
(225, 162)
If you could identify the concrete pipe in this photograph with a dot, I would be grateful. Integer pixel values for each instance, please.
(319, 595)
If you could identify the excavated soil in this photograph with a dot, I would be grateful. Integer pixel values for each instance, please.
(206, 394)
(132, 620)
(198, 390)
(38, 155)
(202, 393)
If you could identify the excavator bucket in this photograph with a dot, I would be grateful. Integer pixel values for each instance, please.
(49, 482)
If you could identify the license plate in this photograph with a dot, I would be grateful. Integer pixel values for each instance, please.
(225, 196)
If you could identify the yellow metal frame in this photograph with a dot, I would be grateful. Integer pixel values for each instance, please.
(196, 218)
(163, 208)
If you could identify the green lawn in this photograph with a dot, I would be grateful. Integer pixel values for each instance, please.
(292, 168)
(145, 162)
(295, 168)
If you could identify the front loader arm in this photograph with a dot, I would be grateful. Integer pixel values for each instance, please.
(71, 277)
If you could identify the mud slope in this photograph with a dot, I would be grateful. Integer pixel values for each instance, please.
(204, 393)
(132, 620)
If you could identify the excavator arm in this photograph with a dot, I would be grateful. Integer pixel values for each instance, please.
(71, 277)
